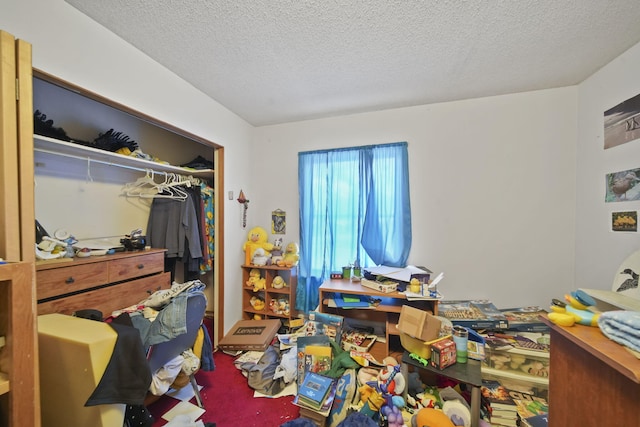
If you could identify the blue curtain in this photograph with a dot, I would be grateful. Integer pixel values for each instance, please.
(354, 205)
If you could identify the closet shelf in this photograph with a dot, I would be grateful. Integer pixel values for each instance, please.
(44, 144)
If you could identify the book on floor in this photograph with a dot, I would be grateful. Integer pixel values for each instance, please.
(536, 421)
(316, 391)
(304, 363)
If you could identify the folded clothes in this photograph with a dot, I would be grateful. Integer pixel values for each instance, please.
(621, 326)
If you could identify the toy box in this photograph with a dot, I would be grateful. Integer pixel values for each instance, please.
(443, 353)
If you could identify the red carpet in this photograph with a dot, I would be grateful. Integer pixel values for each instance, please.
(229, 400)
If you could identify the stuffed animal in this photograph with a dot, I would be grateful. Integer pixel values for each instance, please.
(390, 380)
(278, 283)
(291, 256)
(260, 284)
(277, 252)
(254, 276)
(257, 303)
(260, 257)
(256, 238)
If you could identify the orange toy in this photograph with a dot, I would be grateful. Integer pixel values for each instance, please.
(429, 417)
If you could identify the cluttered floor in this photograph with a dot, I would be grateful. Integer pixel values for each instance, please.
(227, 399)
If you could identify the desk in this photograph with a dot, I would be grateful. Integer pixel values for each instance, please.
(468, 373)
(387, 312)
(586, 364)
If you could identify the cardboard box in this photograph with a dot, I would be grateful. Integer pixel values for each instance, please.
(418, 330)
(443, 353)
(250, 335)
(384, 287)
(418, 323)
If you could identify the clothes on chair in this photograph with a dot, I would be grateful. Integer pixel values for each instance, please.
(165, 376)
(170, 322)
(127, 376)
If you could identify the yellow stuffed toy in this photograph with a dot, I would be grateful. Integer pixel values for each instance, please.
(257, 238)
(291, 256)
(257, 303)
(254, 276)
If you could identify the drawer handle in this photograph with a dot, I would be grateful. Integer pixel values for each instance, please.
(70, 280)
(140, 266)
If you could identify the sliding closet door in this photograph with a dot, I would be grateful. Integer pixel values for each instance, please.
(9, 201)
(19, 384)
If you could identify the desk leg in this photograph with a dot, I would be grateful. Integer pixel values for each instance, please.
(475, 406)
(404, 371)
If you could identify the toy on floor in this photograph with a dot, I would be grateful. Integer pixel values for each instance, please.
(429, 417)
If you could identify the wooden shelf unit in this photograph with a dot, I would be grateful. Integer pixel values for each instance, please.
(585, 362)
(386, 312)
(18, 358)
(270, 295)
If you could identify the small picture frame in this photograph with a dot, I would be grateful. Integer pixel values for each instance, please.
(624, 221)
(278, 222)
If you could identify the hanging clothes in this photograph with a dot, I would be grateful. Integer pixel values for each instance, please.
(207, 197)
(173, 225)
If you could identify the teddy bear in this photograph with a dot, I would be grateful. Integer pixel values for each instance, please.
(256, 238)
(291, 256)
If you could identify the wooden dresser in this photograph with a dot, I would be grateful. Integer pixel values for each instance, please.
(105, 283)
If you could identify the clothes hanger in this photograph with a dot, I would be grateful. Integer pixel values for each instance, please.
(143, 185)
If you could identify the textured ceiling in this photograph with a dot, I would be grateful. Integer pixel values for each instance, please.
(278, 61)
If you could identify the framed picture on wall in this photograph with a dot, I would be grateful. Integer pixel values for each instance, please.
(278, 222)
(622, 123)
(623, 186)
(624, 221)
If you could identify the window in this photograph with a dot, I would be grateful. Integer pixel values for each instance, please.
(354, 205)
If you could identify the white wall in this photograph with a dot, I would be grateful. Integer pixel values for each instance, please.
(599, 251)
(73, 47)
(492, 187)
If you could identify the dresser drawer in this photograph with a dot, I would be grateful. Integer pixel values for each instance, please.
(108, 299)
(135, 266)
(60, 281)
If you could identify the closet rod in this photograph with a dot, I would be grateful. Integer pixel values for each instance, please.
(103, 162)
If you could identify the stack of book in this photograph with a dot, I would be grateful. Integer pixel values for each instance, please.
(316, 392)
(504, 411)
